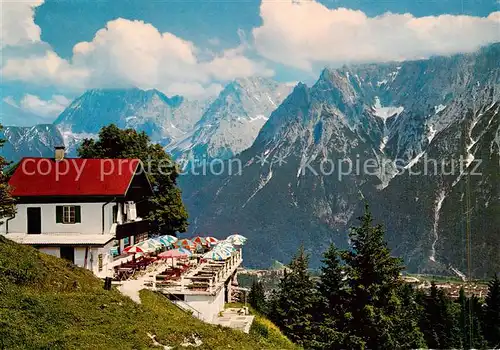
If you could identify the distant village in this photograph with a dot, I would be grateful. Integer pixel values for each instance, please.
(451, 288)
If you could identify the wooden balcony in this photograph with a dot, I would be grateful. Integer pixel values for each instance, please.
(133, 228)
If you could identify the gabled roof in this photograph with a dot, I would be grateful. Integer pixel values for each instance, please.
(73, 177)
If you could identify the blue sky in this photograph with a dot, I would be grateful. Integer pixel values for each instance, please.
(195, 47)
(65, 23)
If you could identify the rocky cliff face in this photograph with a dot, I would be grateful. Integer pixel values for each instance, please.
(382, 121)
(232, 122)
(35, 141)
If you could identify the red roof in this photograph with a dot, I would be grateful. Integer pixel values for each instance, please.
(73, 177)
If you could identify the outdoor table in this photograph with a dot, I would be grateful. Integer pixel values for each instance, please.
(124, 273)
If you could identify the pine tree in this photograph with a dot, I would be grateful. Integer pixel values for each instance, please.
(470, 321)
(439, 322)
(471, 316)
(331, 303)
(375, 310)
(257, 297)
(408, 317)
(164, 209)
(492, 314)
(7, 207)
(293, 303)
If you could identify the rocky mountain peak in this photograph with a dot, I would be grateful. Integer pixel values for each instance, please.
(233, 120)
(295, 107)
(34, 141)
(164, 118)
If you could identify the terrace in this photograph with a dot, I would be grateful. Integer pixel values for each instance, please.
(207, 277)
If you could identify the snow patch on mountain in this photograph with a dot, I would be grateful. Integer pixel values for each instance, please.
(437, 209)
(459, 273)
(386, 112)
(431, 134)
(414, 161)
(382, 82)
(72, 141)
(263, 181)
(439, 108)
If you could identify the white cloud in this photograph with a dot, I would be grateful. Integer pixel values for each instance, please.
(10, 100)
(133, 53)
(44, 108)
(47, 69)
(232, 63)
(17, 26)
(301, 33)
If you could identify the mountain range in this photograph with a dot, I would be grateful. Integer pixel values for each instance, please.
(197, 129)
(395, 118)
(295, 146)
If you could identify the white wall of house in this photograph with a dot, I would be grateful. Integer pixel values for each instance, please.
(80, 256)
(91, 219)
(107, 260)
(92, 258)
(208, 306)
(55, 251)
(91, 224)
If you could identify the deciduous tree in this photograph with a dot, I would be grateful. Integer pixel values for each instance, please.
(165, 208)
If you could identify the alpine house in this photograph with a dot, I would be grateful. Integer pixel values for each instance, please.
(83, 210)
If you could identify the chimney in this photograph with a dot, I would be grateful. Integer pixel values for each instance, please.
(59, 153)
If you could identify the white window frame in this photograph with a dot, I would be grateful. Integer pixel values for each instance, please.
(69, 214)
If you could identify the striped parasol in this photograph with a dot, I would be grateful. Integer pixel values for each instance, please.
(169, 239)
(150, 245)
(186, 243)
(201, 240)
(212, 240)
(216, 255)
(236, 239)
(185, 251)
(165, 242)
(134, 250)
(225, 247)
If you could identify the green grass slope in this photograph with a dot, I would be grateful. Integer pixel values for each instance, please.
(48, 303)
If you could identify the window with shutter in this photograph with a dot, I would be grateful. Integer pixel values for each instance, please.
(68, 214)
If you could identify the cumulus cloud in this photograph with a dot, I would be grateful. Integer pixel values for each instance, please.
(44, 108)
(46, 69)
(17, 26)
(133, 53)
(301, 33)
(232, 63)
